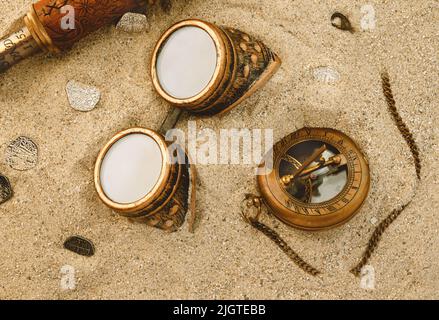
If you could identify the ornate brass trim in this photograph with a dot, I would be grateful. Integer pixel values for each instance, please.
(39, 33)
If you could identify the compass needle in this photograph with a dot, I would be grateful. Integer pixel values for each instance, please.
(288, 179)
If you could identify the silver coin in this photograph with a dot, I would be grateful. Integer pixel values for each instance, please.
(133, 22)
(22, 154)
(82, 97)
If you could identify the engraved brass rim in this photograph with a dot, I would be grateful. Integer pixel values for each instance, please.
(215, 34)
(158, 189)
(39, 33)
(328, 214)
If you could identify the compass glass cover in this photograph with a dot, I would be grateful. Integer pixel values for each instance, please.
(322, 180)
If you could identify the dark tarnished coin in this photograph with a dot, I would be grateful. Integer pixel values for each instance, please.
(5, 189)
(340, 21)
(80, 246)
(22, 154)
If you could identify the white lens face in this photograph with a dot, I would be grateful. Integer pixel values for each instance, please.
(186, 62)
(131, 168)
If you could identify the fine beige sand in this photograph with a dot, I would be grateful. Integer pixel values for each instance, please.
(226, 258)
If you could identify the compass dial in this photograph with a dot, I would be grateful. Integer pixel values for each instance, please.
(320, 179)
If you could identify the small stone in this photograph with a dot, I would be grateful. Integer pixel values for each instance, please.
(374, 221)
(133, 22)
(5, 189)
(22, 154)
(80, 246)
(326, 74)
(82, 97)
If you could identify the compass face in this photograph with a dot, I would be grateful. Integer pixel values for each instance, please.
(320, 179)
(322, 184)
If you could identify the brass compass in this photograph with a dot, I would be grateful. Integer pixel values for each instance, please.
(315, 178)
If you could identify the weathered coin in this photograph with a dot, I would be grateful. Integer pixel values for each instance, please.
(22, 154)
(5, 189)
(82, 97)
(133, 22)
(80, 246)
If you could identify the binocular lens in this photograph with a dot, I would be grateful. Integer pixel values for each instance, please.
(131, 168)
(186, 62)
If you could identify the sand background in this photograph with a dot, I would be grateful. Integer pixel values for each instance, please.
(226, 258)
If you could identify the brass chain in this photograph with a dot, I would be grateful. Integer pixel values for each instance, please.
(376, 237)
(252, 201)
(405, 132)
(408, 136)
(255, 202)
